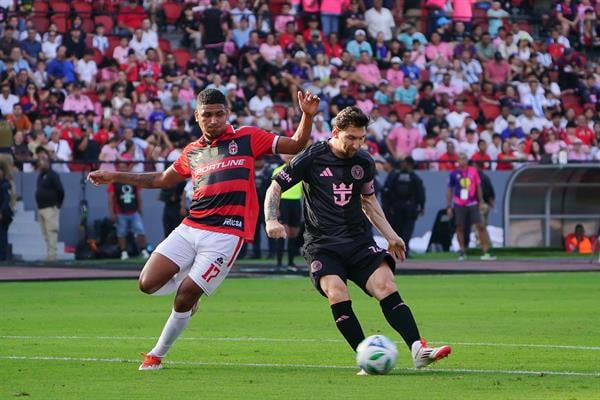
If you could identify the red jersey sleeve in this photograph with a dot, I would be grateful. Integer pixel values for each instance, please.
(182, 165)
(262, 142)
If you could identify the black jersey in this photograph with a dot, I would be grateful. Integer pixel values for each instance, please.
(332, 189)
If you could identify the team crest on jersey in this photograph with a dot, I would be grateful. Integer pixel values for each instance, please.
(342, 193)
(357, 172)
(233, 148)
(316, 266)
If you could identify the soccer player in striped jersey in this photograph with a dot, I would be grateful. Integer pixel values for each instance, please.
(339, 197)
(197, 256)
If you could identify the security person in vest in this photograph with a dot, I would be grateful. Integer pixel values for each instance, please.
(403, 199)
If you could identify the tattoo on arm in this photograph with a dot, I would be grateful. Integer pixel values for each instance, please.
(145, 180)
(272, 199)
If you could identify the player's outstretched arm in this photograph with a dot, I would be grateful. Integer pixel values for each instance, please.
(165, 179)
(374, 213)
(309, 105)
(275, 229)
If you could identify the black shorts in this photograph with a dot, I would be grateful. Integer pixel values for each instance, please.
(290, 213)
(355, 262)
(469, 213)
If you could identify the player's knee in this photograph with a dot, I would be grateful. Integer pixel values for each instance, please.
(384, 288)
(145, 285)
(336, 293)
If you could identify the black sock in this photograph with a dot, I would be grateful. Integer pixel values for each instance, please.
(291, 242)
(347, 323)
(399, 316)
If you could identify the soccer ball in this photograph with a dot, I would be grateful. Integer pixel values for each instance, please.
(376, 355)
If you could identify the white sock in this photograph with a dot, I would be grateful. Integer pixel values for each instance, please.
(416, 346)
(168, 288)
(175, 325)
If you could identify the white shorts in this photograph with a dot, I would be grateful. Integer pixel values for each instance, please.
(205, 256)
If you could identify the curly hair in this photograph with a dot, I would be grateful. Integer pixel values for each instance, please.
(351, 117)
(211, 96)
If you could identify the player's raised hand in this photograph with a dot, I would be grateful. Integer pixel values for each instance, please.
(100, 177)
(397, 249)
(309, 103)
(275, 230)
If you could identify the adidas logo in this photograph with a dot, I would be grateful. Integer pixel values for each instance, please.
(326, 172)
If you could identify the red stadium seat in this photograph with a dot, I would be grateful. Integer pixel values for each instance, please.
(41, 23)
(182, 56)
(40, 8)
(172, 12)
(472, 110)
(83, 9)
(88, 25)
(280, 110)
(402, 109)
(105, 20)
(490, 111)
(60, 7)
(98, 57)
(61, 21)
(164, 45)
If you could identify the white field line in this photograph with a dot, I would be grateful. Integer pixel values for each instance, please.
(303, 366)
(293, 340)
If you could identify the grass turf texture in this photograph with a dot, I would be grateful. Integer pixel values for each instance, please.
(544, 309)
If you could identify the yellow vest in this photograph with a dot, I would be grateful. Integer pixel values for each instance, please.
(293, 193)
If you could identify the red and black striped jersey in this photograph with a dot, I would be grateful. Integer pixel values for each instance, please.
(222, 173)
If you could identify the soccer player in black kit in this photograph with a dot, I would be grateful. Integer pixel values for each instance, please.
(339, 197)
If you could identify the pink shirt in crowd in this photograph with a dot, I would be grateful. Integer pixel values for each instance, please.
(369, 72)
(443, 49)
(333, 6)
(395, 77)
(462, 10)
(406, 140)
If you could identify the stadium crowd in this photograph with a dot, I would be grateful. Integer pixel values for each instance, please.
(116, 79)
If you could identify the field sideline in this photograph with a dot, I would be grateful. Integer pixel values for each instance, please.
(517, 336)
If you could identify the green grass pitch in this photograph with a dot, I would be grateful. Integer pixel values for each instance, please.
(514, 336)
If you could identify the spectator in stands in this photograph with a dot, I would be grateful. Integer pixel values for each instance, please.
(31, 47)
(75, 43)
(213, 20)
(7, 42)
(359, 44)
(495, 17)
(578, 151)
(60, 67)
(409, 68)
(379, 19)
(19, 121)
(342, 100)
(129, 17)
(578, 242)
(407, 93)
(259, 102)
(448, 160)
(7, 100)
(512, 129)
(49, 196)
(403, 139)
(481, 157)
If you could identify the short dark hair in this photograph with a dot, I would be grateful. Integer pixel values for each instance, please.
(211, 96)
(351, 117)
